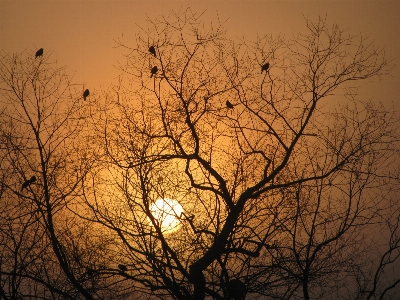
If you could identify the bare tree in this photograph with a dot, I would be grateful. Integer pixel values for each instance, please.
(42, 124)
(275, 187)
(277, 184)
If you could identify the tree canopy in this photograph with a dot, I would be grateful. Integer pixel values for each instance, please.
(280, 183)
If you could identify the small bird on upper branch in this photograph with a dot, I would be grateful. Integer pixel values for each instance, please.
(28, 182)
(39, 52)
(86, 93)
(152, 50)
(153, 71)
(229, 105)
(265, 67)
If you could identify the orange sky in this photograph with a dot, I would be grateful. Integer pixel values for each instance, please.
(80, 34)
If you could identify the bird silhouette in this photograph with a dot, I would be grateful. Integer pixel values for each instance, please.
(122, 267)
(154, 70)
(152, 50)
(28, 182)
(229, 105)
(39, 52)
(86, 93)
(237, 289)
(89, 272)
(265, 67)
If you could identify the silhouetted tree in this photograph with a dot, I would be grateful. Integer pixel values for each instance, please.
(278, 190)
(42, 130)
(291, 195)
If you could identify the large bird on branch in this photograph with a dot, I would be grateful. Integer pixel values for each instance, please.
(153, 71)
(237, 289)
(265, 67)
(39, 52)
(229, 105)
(86, 93)
(122, 267)
(152, 50)
(28, 182)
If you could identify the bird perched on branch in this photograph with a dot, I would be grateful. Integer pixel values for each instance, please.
(89, 272)
(39, 52)
(265, 67)
(28, 182)
(153, 71)
(86, 93)
(229, 105)
(237, 289)
(122, 267)
(152, 50)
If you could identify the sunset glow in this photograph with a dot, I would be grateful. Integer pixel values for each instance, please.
(167, 212)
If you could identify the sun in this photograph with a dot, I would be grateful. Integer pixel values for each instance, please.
(167, 212)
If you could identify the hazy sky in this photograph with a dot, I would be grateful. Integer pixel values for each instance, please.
(81, 34)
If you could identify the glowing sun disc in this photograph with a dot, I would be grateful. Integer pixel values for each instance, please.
(167, 212)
